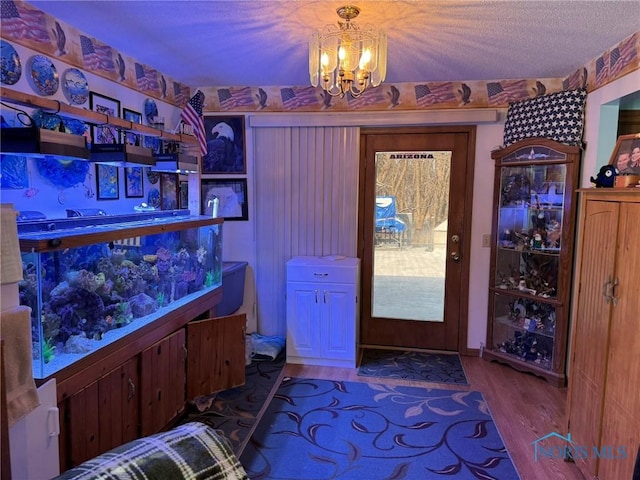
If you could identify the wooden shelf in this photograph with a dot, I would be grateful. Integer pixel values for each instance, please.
(55, 106)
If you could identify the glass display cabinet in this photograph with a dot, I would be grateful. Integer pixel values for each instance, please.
(531, 256)
(91, 281)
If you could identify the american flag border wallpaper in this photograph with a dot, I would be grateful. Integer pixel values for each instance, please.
(32, 28)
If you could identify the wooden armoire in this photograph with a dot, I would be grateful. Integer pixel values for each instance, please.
(604, 369)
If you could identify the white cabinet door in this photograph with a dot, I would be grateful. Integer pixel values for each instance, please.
(303, 320)
(338, 333)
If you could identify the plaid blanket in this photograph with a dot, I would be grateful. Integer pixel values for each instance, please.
(191, 451)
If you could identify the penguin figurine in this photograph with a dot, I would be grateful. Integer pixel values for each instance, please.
(606, 177)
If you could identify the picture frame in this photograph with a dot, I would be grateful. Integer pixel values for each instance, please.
(232, 197)
(226, 145)
(132, 116)
(107, 106)
(184, 194)
(168, 191)
(626, 154)
(107, 182)
(133, 182)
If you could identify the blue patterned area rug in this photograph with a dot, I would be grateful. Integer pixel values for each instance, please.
(324, 429)
(411, 365)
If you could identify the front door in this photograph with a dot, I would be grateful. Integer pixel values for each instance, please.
(414, 229)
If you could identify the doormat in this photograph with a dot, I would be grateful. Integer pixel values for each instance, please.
(411, 365)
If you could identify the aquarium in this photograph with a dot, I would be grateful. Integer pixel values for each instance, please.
(92, 281)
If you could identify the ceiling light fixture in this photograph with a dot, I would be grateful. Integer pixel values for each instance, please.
(347, 58)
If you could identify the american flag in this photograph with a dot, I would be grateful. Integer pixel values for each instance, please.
(370, 97)
(192, 115)
(602, 72)
(231, 98)
(147, 79)
(622, 55)
(298, 97)
(507, 91)
(180, 93)
(96, 56)
(577, 79)
(23, 23)
(435, 94)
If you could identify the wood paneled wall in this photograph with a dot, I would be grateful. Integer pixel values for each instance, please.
(306, 202)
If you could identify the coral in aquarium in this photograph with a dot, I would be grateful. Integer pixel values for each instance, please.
(48, 350)
(84, 292)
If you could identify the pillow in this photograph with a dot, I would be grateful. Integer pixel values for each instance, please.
(191, 451)
(557, 116)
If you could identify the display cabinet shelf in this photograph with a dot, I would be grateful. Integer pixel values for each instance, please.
(531, 257)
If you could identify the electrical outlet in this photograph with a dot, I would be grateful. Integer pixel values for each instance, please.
(486, 240)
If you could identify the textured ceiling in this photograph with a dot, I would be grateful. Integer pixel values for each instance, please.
(264, 42)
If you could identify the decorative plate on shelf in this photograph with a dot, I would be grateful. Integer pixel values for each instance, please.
(153, 177)
(75, 86)
(11, 65)
(153, 198)
(43, 75)
(150, 110)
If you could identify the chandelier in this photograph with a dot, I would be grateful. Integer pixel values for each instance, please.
(347, 58)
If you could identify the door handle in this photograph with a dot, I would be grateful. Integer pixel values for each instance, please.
(455, 256)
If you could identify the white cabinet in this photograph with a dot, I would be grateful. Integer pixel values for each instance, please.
(322, 310)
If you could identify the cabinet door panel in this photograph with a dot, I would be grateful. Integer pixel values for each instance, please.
(162, 383)
(215, 359)
(591, 327)
(338, 339)
(303, 319)
(101, 416)
(83, 425)
(621, 415)
(118, 406)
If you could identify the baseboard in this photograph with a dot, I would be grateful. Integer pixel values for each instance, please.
(472, 352)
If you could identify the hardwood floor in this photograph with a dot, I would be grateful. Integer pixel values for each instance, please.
(524, 408)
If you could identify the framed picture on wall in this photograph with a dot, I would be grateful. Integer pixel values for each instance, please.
(133, 182)
(131, 138)
(107, 185)
(184, 194)
(226, 150)
(107, 106)
(231, 194)
(168, 191)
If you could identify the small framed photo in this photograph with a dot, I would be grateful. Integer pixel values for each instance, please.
(107, 106)
(231, 194)
(184, 194)
(226, 149)
(133, 182)
(131, 138)
(626, 154)
(107, 184)
(168, 191)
